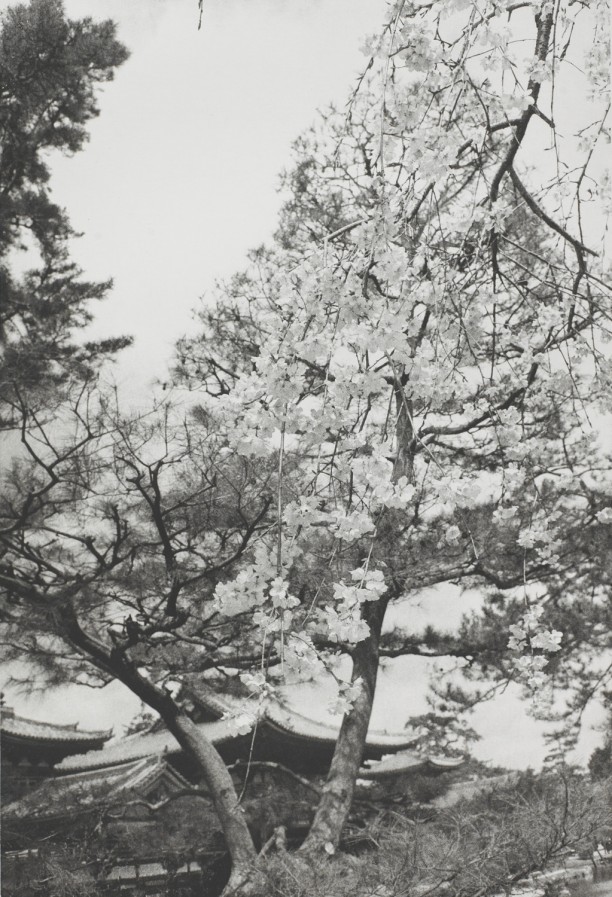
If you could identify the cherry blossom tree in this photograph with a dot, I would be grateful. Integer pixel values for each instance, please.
(399, 392)
(424, 347)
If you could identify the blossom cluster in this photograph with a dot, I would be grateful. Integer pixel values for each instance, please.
(433, 330)
(343, 620)
(346, 695)
(534, 641)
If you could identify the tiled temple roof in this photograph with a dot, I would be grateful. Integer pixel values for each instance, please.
(143, 744)
(217, 703)
(64, 794)
(32, 730)
(283, 717)
(94, 788)
(276, 715)
(407, 762)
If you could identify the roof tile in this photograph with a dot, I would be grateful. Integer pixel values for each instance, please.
(277, 714)
(143, 744)
(62, 794)
(404, 762)
(288, 719)
(20, 727)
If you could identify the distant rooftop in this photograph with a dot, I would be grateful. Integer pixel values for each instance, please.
(276, 717)
(281, 715)
(19, 727)
(143, 744)
(407, 762)
(60, 796)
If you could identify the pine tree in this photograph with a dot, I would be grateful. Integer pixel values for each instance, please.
(50, 71)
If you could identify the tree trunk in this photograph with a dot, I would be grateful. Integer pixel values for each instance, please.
(337, 795)
(244, 881)
(335, 803)
(222, 791)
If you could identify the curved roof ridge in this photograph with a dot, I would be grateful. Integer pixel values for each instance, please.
(140, 745)
(277, 713)
(285, 717)
(56, 796)
(23, 727)
(282, 715)
(219, 702)
(407, 761)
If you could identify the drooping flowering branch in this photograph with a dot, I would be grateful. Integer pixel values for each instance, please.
(429, 332)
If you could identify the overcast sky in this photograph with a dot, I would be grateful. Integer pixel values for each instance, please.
(177, 182)
(179, 179)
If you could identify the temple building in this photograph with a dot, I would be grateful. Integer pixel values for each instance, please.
(142, 801)
(30, 750)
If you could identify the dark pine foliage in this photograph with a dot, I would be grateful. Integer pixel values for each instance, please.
(50, 72)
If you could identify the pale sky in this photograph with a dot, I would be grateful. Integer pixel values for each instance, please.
(177, 183)
(179, 178)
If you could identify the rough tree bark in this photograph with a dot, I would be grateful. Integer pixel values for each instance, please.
(222, 791)
(337, 795)
(245, 877)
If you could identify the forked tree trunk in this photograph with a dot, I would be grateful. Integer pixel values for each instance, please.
(337, 794)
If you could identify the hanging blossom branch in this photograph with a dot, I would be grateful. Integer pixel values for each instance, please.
(435, 303)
